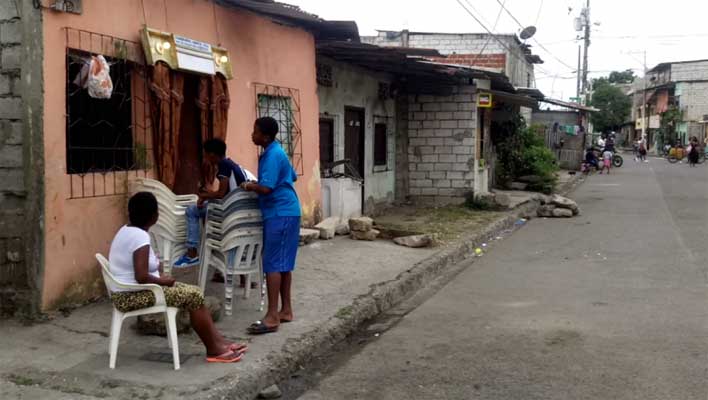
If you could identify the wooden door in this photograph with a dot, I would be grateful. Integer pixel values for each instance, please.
(354, 138)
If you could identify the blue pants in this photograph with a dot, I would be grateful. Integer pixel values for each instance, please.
(281, 238)
(194, 215)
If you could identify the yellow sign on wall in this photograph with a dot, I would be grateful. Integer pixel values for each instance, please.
(484, 100)
(185, 54)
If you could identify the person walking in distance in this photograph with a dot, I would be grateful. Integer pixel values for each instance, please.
(280, 207)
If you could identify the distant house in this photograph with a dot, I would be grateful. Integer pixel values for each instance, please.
(682, 84)
(509, 64)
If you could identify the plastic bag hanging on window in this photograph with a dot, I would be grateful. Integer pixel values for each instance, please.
(100, 85)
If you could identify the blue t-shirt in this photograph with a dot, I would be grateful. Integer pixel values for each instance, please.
(233, 172)
(276, 172)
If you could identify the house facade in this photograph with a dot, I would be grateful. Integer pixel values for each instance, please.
(200, 70)
(682, 86)
(358, 123)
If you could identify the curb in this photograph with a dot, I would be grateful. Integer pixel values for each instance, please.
(381, 298)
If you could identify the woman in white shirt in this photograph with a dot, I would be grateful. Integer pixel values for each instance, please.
(132, 260)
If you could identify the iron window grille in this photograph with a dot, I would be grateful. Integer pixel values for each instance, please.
(107, 140)
(283, 104)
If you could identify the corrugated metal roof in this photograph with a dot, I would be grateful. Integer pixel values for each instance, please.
(274, 9)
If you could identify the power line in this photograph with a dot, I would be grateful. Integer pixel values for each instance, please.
(504, 45)
(489, 39)
(538, 15)
(534, 39)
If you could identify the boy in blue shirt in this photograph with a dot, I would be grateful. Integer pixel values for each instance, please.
(281, 223)
(230, 176)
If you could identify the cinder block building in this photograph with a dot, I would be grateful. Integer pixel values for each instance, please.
(681, 84)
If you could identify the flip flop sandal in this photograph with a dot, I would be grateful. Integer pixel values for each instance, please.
(259, 328)
(225, 358)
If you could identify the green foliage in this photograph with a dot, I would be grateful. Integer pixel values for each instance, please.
(615, 77)
(523, 152)
(626, 76)
(615, 107)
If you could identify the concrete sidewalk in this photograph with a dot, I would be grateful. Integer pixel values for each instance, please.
(338, 285)
(69, 354)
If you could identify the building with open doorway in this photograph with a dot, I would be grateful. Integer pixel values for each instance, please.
(182, 71)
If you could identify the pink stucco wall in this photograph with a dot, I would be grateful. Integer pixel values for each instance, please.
(261, 51)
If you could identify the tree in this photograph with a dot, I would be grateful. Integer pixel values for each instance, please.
(615, 107)
(626, 76)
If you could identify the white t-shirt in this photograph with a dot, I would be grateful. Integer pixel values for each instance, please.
(125, 243)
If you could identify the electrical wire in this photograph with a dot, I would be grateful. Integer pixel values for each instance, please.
(534, 39)
(145, 20)
(216, 25)
(504, 45)
(538, 15)
(489, 39)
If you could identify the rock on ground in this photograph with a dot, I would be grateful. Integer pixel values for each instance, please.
(307, 236)
(342, 229)
(563, 202)
(546, 211)
(361, 224)
(370, 235)
(328, 228)
(154, 324)
(271, 392)
(562, 213)
(518, 186)
(415, 241)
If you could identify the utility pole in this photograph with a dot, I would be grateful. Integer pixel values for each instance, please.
(577, 91)
(645, 112)
(587, 25)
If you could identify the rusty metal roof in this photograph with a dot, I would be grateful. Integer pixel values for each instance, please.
(274, 9)
(294, 15)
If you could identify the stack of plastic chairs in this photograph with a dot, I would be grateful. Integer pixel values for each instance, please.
(169, 235)
(232, 243)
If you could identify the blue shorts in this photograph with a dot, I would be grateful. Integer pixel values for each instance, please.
(281, 238)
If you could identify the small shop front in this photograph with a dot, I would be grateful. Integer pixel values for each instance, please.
(133, 88)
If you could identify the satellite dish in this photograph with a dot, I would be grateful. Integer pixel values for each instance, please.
(528, 33)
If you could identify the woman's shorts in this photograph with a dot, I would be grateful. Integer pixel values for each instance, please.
(181, 295)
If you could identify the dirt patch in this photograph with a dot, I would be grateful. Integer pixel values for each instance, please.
(447, 223)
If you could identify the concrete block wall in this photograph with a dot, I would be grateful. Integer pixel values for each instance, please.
(515, 65)
(693, 100)
(694, 71)
(20, 166)
(441, 146)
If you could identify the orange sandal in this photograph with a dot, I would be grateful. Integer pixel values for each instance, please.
(223, 359)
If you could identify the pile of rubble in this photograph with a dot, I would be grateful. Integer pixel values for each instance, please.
(558, 207)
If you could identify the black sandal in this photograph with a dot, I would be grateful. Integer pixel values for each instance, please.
(259, 328)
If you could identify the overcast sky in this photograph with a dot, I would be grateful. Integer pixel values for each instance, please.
(668, 31)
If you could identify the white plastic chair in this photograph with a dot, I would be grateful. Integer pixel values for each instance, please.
(118, 317)
(170, 232)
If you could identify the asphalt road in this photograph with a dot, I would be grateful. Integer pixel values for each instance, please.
(610, 305)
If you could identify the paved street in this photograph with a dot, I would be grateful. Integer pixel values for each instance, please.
(610, 305)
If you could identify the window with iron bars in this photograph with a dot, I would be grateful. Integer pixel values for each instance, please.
(283, 104)
(107, 140)
(99, 133)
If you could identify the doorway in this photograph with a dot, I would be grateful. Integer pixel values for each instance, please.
(189, 167)
(354, 130)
